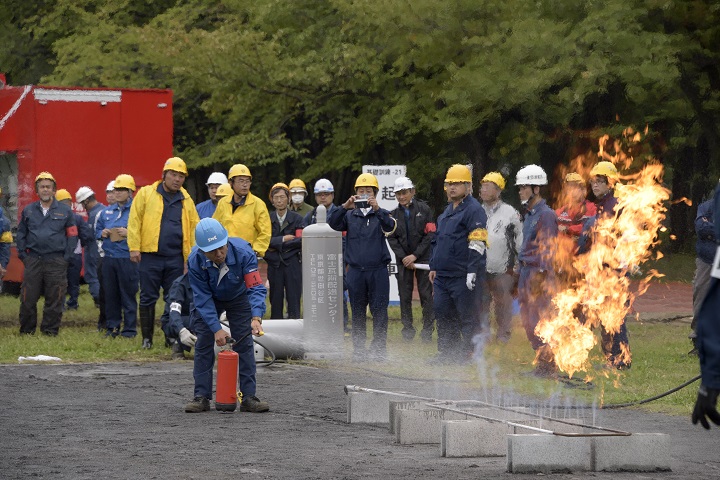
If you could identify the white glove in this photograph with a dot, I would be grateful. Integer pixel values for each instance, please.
(187, 338)
(470, 282)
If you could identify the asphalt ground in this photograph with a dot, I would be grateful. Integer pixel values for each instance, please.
(126, 421)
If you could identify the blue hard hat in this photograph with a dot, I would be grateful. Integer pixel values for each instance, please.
(210, 234)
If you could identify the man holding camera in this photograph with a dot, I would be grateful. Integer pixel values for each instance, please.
(367, 256)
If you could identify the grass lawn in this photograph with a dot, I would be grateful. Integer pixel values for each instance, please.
(659, 362)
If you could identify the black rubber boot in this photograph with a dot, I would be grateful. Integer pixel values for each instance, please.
(147, 325)
(178, 353)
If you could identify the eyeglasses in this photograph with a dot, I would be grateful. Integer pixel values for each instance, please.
(323, 194)
(243, 181)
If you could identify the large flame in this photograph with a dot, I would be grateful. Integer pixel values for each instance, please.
(599, 293)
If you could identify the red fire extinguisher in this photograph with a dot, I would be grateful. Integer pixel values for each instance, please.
(227, 376)
(227, 393)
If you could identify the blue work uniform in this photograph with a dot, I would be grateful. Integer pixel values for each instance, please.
(367, 256)
(708, 323)
(613, 345)
(284, 268)
(206, 209)
(458, 249)
(45, 244)
(120, 276)
(540, 230)
(92, 255)
(177, 310)
(705, 246)
(87, 237)
(236, 288)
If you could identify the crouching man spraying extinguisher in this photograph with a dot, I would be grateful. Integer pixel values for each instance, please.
(224, 275)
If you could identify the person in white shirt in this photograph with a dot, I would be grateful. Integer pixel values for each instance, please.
(504, 226)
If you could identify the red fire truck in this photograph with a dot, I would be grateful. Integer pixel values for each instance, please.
(82, 136)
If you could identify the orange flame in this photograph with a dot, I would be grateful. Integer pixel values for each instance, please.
(599, 292)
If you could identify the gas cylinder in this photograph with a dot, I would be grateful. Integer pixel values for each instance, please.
(227, 378)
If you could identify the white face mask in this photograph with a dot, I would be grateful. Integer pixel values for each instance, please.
(297, 198)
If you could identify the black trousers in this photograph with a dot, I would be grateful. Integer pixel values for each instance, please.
(45, 276)
(406, 283)
(285, 282)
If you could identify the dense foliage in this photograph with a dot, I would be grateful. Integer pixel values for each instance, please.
(319, 88)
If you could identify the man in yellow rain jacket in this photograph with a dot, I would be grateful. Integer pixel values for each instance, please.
(161, 232)
(243, 214)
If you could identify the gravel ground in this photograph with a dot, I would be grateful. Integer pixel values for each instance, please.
(126, 420)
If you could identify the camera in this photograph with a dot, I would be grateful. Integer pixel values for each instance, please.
(362, 201)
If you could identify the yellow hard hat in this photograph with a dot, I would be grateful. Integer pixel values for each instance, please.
(367, 180)
(62, 194)
(296, 183)
(606, 169)
(573, 177)
(125, 181)
(224, 190)
(176, 164)
(238, 170)
(44, 176)
(458, 174)
(278, 186)
(495, 178)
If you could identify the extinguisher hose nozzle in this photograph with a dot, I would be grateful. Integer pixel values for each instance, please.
(231, 341)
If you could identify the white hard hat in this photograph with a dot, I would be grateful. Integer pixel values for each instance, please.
(323, 185)
(531, 175)
(216, 178)
(110, 187)
(83, 194)
(402, 183)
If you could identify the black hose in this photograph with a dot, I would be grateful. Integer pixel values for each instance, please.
(267, 363)
(648, 400)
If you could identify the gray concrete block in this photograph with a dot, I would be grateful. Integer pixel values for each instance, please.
(473, 438)
(545, 453)
(401, 405)
(366, 407)
(640, 452)
(422, 426)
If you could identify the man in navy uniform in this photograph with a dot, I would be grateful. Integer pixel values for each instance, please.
(224, 275)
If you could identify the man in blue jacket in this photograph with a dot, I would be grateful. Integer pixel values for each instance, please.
(224, 275)
(120, 276)
(457, 260)
(86, 197)
(46, 239)
(540, 230)
(708, 339)
(705, 248)
(207, 208)
(176, 322)
(367, 256)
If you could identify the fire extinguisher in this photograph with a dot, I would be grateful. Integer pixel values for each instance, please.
(227, 394)
(227, 376)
